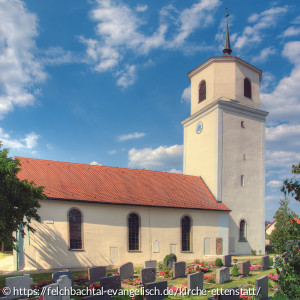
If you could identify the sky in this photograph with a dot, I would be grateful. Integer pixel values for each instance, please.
(105, 81)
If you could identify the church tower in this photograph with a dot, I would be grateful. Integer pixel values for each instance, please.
(224, 143)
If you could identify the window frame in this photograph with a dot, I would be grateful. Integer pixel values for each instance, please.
(200, 92)
(81, 230)
(139, 232)
(247, 88)
(190, 234)
(244, 238)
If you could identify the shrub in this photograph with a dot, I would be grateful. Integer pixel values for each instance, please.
(253, 252)
(235, 271)
(160, 266)
(288, 272)
(218, 262)
(167, 259)
(109, 274)
(269, 248)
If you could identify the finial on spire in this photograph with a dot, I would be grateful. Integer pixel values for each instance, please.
(227, 50)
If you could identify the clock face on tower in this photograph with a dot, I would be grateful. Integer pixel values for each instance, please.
(199, 127)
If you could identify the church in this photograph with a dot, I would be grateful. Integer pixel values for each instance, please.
(107, 216)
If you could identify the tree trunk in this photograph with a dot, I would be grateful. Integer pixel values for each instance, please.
(2, 247)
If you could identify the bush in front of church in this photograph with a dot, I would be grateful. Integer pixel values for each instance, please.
(218, 262)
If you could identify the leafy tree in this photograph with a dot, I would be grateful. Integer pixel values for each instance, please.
(19, 200)
(288, 271)
(284, 227)
(292, 186)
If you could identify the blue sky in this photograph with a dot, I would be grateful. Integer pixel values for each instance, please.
(105, 82)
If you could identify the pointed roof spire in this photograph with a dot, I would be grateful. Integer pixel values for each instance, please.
(227, 50)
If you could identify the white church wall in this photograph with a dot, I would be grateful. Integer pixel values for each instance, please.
(244, 158)
(105, 235)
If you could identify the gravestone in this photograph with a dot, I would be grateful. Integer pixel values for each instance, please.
(171, 263)
(17, 284)
(227, 261)
(55, 276)
(105, 296)
(228, 294)
(219, 246)
(111, 283)
(244, 268)
(179, 269)
(265, 262)
(51, 292)
(95, 273)
(261, 287)
(126, 271)
(222, 275)
(65, 285)
(148, 275)
(159, 289)
(195, 281)
(150, 264)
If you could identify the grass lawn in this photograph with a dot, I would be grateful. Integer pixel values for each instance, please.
(4, 254)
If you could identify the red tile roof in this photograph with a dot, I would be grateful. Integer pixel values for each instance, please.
(80, 182)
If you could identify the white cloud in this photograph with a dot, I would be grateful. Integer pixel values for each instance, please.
(191, 18)
(265, 20)
(126, 76)
(28, 142)
(141, 8)
(175, 171)
(264, 54)
(283, 133)
(112, 152)
(119, 33)
(58, 56)
(130, 136)
(161, 158)
(291, 31)
(186, 95)
(95, 163)
(281, 159)
(284, 102)
(274, 184)
(20, 69)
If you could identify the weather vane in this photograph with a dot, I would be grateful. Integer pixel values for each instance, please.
(227, 14)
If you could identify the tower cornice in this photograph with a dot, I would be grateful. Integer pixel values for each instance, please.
(232, 105)
(224, 59)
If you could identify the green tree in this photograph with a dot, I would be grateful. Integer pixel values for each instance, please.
(284, 227)
(19, 200)
(292, 186)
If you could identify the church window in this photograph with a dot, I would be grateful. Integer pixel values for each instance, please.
(202, 91)
(186, 233)
(242, 124)
(242, 231)
(134, 232)
(247, 88)
(75, 226)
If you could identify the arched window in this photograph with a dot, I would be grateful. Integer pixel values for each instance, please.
(75, 222)
(242, 230)
(247, 88)
(202, 91)
(186, 233)
(133, 232)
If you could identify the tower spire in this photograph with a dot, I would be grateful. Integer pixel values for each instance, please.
(227, 50)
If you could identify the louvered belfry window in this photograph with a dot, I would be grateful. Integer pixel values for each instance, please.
(202, 90)
(75, 222)
(134, 232)
(247, 88)
(186, 233)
